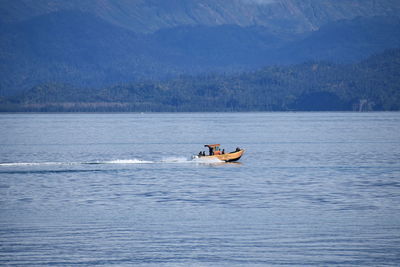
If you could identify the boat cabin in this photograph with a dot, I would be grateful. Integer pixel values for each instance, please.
(214, 149)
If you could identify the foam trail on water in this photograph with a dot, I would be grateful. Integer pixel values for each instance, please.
(206, 160)
(175, 160)
(127, 161)
(16, 164)
(118, 161)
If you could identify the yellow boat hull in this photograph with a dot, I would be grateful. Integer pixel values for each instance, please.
(233, 156)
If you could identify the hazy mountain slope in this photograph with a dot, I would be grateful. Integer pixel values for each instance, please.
(84, 50)
(344, 41)
(95, 43)
(71, 46)
(219, 47)
(229, 46)
(78, 48)
(151, 15)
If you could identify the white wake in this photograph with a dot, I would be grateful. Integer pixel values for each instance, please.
(170, 160)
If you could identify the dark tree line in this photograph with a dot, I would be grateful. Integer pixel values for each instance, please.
(373, 84)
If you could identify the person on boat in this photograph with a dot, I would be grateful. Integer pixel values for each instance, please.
(211, 151)
(200, 154)
(204, 153)
(223, 151)
(237, 149)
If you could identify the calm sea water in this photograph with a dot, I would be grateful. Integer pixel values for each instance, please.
(121, 189)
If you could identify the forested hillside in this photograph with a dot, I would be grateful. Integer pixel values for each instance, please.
(372, 84)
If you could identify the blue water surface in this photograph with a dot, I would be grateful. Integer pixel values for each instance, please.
(121, 189)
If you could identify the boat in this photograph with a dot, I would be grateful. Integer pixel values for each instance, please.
(215, 152)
